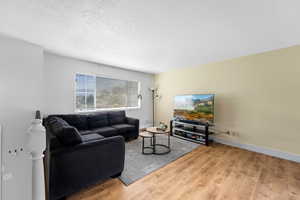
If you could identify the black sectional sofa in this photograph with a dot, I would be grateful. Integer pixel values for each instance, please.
(84, 149)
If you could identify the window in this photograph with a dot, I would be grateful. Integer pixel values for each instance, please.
(96, 93)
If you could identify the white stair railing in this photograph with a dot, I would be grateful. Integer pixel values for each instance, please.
(36, 145)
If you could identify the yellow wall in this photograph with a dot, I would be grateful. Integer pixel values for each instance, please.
(257, 96)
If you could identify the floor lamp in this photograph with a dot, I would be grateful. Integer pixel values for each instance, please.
(155, 95)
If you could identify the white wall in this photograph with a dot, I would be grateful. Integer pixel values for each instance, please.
(257, 97)
(0, 161)
(21, 72)
(59, 77)
(31, 80)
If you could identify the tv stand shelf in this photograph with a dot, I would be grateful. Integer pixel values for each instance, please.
(191, 131)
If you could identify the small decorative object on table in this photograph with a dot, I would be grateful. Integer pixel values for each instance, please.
(162, 126)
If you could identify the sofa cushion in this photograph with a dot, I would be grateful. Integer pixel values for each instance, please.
(86, 132)
(98, 120)
(106, 131)
(91, 137)
(117, 117)
(78, 121)
(123, 128)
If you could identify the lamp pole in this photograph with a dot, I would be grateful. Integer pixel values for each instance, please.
(153, 105)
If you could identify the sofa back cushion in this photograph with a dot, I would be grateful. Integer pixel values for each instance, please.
(117, 117)
(66, 134)
(98, 120)
(78, 121)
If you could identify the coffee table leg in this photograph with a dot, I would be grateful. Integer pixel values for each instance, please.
(154, 143)
(169, 141)
(143, 146)
(167, 146)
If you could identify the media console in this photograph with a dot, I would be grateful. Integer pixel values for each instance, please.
(191, 131)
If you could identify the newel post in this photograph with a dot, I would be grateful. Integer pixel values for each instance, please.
(36, 146)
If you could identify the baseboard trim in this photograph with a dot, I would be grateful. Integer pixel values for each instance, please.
(263, 150)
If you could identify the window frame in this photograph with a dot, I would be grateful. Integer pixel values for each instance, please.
(103, 109)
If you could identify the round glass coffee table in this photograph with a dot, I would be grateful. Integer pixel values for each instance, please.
(154, 131)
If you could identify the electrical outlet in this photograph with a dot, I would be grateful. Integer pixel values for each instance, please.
(234, 133)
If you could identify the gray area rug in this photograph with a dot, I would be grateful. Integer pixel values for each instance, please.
(138, 165)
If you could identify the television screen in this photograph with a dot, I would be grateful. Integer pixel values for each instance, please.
(195, 107)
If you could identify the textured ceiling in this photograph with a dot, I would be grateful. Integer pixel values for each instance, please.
(153, 36)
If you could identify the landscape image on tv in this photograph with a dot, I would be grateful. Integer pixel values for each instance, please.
(195, 107)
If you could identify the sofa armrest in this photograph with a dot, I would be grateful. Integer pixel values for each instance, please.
(116, 142)
(133, 121)
(72, 169)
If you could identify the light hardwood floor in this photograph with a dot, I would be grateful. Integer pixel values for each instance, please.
(215, 172)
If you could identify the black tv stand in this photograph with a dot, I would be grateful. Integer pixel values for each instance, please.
(189, 130)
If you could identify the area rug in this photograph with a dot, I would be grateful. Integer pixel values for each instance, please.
(138, 165)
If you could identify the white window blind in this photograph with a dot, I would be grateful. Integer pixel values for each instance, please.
(98, 93)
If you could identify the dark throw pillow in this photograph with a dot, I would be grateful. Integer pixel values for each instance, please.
(56, 124)
(66, 134)
(69, 136)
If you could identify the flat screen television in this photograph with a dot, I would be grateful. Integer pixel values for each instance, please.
(195, 107)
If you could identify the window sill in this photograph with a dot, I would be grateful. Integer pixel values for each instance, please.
(107, 109)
